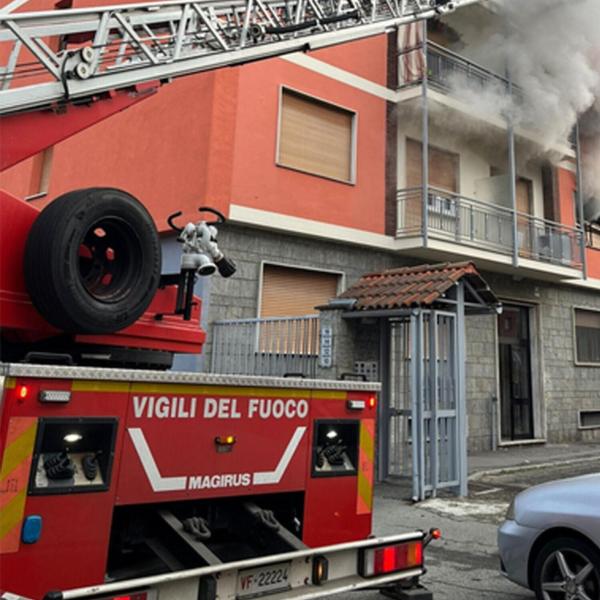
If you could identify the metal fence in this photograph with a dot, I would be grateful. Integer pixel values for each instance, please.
(271, 346)
(488, 226)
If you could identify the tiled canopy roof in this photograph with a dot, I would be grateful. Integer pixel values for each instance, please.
(416, 286)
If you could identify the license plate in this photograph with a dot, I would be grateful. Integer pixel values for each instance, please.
(263, 580)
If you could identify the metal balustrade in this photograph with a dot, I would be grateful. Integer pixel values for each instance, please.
(269, 346)
(470, 222)
(448, 71)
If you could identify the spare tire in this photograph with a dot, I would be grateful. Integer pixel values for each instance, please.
(92, 261)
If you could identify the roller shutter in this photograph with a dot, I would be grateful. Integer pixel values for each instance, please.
(295, 292)
(316, 137)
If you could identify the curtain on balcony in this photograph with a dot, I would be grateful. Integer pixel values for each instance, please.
(411, 59)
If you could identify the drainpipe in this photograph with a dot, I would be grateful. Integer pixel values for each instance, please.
(512, 175)
(494, 421)
(580, 201)
(425, 128)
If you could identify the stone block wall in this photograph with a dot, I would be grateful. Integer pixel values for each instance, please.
(562, 387)
(237, 297)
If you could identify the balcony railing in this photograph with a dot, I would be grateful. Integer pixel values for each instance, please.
(448, 71)
(270, 346)
(469, 222)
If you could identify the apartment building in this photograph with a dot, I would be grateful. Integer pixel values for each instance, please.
(356, 159)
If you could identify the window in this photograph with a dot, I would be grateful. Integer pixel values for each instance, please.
(587, 334)
(316, 137)
(443, 167)
(443, 176)
(288, 301)
(290, 292)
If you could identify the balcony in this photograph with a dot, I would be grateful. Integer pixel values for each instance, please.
(459, 83)
(474, 226)
(447, 70)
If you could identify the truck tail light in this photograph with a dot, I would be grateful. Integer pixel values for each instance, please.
(390, 559)
(132, 596)
(372, 402)
(22, 392)
(320, 571)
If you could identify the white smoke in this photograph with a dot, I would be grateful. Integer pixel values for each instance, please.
(552, 50)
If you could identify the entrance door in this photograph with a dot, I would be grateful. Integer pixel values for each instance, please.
(515, 373)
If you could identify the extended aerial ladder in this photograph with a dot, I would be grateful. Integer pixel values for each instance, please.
(130, 44)
(76, 55)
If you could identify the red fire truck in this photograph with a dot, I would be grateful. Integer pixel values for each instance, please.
(120, 481)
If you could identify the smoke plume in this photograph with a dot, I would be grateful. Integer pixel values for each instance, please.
(551, 48)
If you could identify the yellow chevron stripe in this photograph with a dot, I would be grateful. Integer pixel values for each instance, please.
(365, 469)
(12, 513)
(365, 489)
(19, 450)
(10, 383)
(367, 443)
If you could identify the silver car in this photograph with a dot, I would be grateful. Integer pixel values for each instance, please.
(550, 540)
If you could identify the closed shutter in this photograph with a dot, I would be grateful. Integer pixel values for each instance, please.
(315, 137)
(526, 230)
(290, 292)
(443, 167)
(524, 193)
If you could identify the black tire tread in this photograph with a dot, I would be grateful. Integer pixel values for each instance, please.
(55, 293)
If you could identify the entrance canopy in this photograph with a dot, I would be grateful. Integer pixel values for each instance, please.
(392, 292)
(422, 413)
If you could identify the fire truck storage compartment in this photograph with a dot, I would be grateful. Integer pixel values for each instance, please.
(335, 448)
(158, 538)
(73, 455)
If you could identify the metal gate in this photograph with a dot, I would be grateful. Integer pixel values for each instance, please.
(424, 426)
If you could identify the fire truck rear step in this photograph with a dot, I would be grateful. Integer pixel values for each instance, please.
(223, 580)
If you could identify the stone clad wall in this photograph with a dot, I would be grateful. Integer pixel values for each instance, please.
(237, 297)
(481, 379)
(562, 387)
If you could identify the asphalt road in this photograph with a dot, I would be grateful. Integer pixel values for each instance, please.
(464, 564)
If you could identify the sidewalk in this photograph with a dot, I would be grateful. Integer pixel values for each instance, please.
(514, 458)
